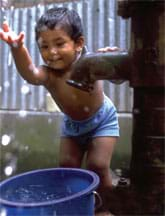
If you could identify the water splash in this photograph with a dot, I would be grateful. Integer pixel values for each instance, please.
(4, 17)
(3, 212)
(5, 140)
(15, 44)
(11, 164)
(8, 170)
(22, 113)
(36, 193)
(25, 89)
(33, 69)
(6, 84)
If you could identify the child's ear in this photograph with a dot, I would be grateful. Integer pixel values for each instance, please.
(80, 43)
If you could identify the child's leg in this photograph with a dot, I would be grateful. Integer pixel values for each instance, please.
(71, 154)
(98, 159)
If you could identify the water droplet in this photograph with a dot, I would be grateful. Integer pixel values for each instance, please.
(0, 88)
(86, 109)
(36, 71)
(5, 140)
(15, 44)
(3, 212)
(110, 20)
(8, 170)
(26, 148)
(50, 121)
(96, 120)
(4, 17)
(22, 113)
(44, 28)
(25, 89)
(40, 41)
(6, 84)
(33, 69)
(12, 7)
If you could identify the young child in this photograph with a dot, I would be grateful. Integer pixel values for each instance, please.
(90, 121)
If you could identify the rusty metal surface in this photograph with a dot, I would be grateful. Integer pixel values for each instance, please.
(148, 80)
(129, 8)
(147, 45)
(114, 67)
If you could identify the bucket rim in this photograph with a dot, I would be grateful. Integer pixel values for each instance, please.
(84, 192)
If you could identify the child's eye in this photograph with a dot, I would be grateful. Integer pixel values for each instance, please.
(43, 47)
(60, 44)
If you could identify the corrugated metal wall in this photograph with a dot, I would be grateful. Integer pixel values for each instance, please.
(102, 27)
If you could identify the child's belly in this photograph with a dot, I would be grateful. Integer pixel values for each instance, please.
(81, 109)
(76, 103)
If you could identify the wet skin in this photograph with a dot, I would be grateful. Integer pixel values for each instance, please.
(59, 53)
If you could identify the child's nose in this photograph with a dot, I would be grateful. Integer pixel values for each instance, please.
(53, 50)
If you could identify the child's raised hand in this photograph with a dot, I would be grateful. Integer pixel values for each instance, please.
(7, 35)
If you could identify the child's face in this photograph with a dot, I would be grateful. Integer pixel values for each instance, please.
(57, 49)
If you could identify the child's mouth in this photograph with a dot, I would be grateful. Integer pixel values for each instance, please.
(53, 61)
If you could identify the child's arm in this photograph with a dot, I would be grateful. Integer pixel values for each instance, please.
(23, 60)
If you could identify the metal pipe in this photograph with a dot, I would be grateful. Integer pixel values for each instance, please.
(114, 66)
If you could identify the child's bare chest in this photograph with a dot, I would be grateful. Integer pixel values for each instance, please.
(66, 96)
(72, 101)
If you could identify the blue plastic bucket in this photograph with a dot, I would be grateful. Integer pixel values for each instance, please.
(55, 191)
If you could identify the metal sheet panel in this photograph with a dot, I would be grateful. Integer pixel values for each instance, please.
(102, 27)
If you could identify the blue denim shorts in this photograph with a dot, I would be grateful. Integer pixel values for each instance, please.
(103, 123)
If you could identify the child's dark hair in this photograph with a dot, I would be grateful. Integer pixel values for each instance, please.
(62, 17)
